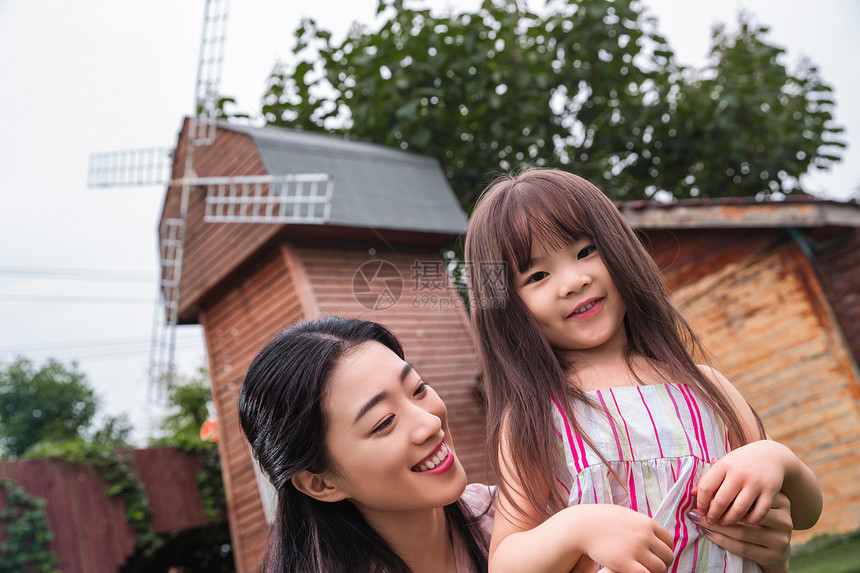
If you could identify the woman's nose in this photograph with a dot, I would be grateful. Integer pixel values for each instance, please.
(427, 425)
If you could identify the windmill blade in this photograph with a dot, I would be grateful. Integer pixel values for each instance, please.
(130, 167)
(209, 72)
(298, 198)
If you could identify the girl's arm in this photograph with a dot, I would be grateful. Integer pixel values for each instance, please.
(743, 484)
(617, 537)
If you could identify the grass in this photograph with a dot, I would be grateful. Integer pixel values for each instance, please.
(828, 554)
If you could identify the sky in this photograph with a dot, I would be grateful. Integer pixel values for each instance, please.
(79, 266)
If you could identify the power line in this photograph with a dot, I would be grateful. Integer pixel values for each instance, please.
(111, 275)
(86, 344)
(75, 299)
(105, 354)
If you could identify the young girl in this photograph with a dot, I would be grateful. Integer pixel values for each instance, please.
(595, 396)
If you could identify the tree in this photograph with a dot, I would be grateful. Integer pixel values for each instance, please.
(587, 85)
(52, 403)
(744, 125)
(189, 404)
(40, 409)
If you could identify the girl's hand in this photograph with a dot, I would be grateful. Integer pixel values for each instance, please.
(766, 543)
(625, 541)
(742, 485)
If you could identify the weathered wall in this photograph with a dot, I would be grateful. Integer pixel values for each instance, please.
(236, 326)
(91, 534)
(758, 306)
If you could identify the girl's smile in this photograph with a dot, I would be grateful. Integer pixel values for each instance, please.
(588, 309)
(573, 299)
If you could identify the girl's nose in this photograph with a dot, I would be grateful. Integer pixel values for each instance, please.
(573, 281)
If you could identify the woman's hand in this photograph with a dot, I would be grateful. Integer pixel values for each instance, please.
(766, 543)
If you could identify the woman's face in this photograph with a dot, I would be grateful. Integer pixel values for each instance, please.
(388, 435)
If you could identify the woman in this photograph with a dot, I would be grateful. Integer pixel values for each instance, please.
(358, 448)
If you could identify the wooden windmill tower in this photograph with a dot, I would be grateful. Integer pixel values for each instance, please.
(358, 235)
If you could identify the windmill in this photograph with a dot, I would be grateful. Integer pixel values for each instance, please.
(260, 199)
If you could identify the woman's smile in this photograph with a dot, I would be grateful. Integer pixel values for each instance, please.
(436, 463)
(388, 432)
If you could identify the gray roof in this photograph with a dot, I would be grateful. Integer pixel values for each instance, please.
(374, 186)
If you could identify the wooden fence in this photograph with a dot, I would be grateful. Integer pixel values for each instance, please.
(91, 534)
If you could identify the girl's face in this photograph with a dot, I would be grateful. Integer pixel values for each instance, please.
(388, 435)
(572, 297)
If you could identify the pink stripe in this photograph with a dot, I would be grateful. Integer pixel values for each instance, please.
(634, 505)
(582, 450)
(570, 440)
(681, 532)
(696, 425)
(564, 486)
(611, 425)
(693, 404)
(653, 425)
(626, 430)
(678, 412)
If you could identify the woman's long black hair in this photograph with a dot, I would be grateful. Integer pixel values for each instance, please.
(282, 415)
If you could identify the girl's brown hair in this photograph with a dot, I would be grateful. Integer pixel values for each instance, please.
(522, 371)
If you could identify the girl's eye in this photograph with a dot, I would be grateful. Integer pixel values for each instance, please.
(536, 277)
(384, 424)
(421, 389)
(586, 251)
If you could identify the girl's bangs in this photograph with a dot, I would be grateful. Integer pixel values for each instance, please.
(537, 215)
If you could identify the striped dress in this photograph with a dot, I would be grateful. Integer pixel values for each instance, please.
(659, 439)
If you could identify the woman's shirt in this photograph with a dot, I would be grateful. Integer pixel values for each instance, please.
(478, 498)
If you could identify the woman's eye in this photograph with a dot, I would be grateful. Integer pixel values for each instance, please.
(586, 251)
(536, 277)
(384, 424)
(421, 389)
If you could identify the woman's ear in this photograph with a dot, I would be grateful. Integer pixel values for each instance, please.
(317, 487)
